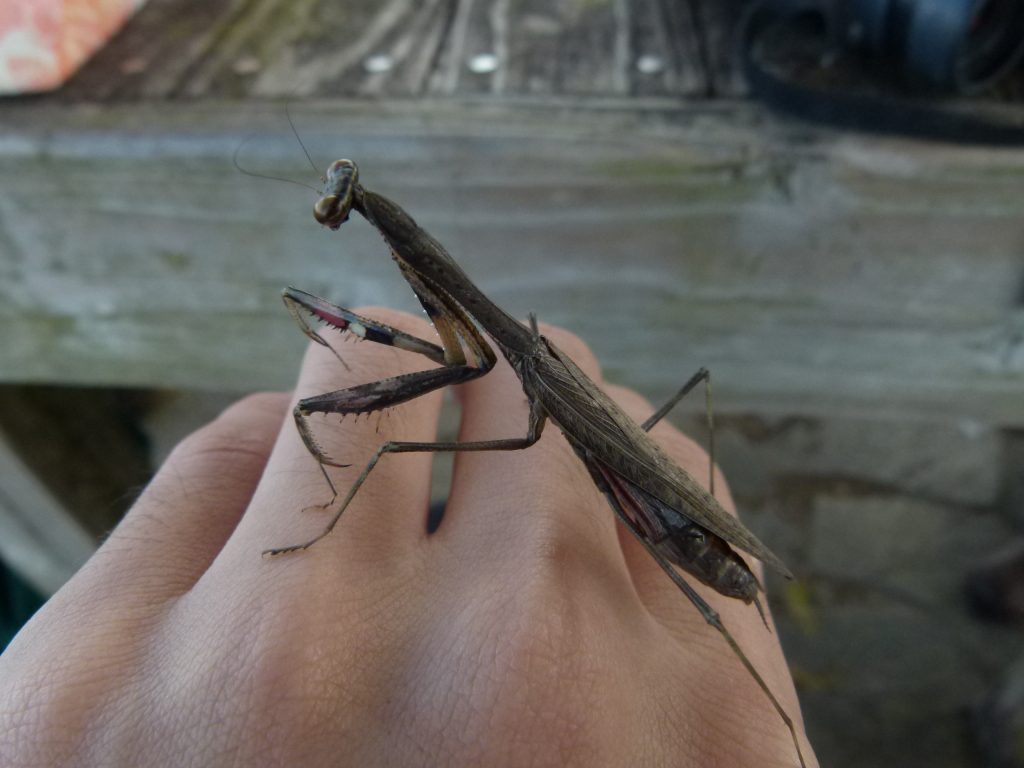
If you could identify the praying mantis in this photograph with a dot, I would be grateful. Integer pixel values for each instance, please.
(674, 518)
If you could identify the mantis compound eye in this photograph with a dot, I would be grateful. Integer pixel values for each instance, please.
(332, 211)
(343, 169)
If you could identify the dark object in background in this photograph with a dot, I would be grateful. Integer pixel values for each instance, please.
(961, 45)
(18, 602)
(995, 588)
(998, 722)
(995, 591)
(882, 65)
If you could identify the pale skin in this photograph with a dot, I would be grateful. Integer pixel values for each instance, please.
(530, 630)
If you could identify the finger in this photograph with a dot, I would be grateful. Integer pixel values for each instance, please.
(529, 507)
(191, 506)
(386, 515)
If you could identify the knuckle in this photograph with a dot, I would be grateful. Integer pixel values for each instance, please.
(258, 404)
(216, 447)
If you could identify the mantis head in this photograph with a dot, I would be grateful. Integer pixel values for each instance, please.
(333, 207)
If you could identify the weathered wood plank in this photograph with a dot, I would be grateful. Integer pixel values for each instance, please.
(941, 461)
(404, 62)
(330, 51)
(401, 48)
(716, 22)
(533, 36)
(154, 52)
(476, 31)
(666, 50)
(833, 275)
(398, 48)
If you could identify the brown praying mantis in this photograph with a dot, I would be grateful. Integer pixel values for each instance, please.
(676, 520)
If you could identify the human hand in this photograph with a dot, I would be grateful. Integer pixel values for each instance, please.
(530, 629)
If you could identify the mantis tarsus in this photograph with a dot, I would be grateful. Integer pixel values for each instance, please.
(675, 519)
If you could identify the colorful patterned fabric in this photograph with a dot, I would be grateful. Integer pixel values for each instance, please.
(43, 42)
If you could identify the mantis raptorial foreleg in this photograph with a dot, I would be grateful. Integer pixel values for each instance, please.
(375, 395)
(345, 320)
(534, 429)
(365, 398)
(385, 393)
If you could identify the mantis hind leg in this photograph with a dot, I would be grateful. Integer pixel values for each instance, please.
(702, 375)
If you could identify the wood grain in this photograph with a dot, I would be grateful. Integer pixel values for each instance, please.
(821, 275)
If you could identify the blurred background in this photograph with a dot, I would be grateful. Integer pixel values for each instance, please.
(821, 201)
